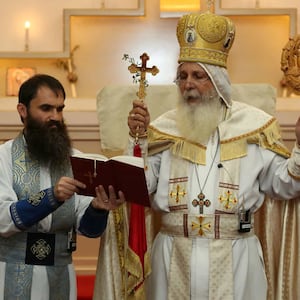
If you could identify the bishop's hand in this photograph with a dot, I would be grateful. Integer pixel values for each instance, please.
(138, 119)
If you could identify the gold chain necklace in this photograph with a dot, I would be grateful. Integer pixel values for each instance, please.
(201, 201)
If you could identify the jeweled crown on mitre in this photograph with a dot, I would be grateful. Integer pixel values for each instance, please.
(205, 38)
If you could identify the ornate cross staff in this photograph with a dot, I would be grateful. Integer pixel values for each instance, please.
(137, 241)
(133, 68)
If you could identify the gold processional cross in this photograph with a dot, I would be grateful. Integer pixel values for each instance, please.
(201, 202)
(133, 68)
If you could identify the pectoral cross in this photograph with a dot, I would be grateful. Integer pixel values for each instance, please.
(133, 68)
(201, 202)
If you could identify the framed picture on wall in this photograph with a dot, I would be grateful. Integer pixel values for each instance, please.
(15, 77)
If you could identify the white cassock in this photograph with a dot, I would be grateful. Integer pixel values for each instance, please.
(261, 172)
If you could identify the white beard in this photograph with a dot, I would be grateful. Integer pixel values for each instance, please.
(197, 121)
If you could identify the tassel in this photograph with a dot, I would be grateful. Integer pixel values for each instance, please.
(137, 151)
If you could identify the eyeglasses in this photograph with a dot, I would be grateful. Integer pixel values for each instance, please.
(195, 77)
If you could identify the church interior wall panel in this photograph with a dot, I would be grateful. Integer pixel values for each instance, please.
(103, 40)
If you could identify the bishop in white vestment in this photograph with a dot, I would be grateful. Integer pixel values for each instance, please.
(210, 163)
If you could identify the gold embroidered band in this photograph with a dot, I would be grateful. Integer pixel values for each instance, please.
(218, 226)
(220, 229)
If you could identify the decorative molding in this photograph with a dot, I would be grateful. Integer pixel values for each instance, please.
(290, 12)
(67, 14)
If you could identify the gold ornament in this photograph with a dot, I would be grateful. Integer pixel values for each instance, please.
(290, 65)
(205, 38)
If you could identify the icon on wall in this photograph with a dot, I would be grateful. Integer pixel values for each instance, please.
(15, 77)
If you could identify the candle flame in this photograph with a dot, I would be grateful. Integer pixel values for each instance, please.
(27, 24)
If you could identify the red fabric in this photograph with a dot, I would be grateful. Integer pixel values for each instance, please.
(137, 229)
(85, 287)
(137, 150)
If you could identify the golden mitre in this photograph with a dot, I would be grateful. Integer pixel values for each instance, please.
(205, 38)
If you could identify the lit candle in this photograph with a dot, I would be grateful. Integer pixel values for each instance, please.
(27, 26)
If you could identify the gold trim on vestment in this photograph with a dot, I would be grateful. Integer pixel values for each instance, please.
(179, 146)
(267, 136)
(135, 280)
(119, 222)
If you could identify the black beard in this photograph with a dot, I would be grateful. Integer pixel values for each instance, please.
(49, 143)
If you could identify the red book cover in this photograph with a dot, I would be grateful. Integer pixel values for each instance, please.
(124, 173)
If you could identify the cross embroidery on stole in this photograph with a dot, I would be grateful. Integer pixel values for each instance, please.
(203, 227)
(228, 200)
(178, 193)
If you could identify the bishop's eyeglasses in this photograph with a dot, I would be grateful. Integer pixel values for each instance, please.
(196, 77)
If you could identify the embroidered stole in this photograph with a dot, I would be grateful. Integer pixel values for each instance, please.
(26, 182)
(220, 250)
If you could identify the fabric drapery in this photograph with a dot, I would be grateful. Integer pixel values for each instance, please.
(136, 255)
(276, 225)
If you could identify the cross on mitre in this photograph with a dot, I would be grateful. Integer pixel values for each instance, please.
(133, 68)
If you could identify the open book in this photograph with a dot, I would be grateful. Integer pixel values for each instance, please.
(124, 173)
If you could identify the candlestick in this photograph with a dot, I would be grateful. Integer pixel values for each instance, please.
(27, 26)
(72, 83)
